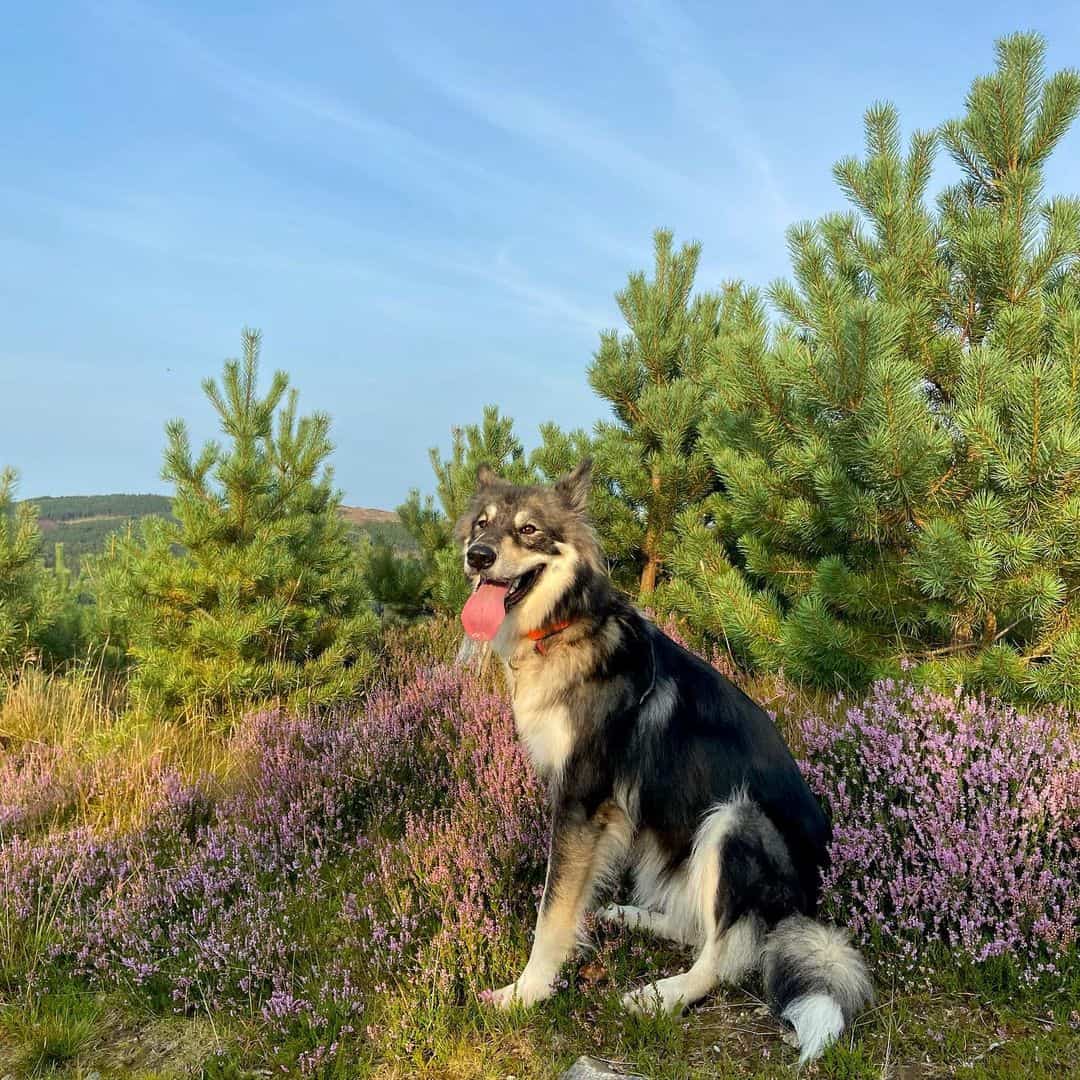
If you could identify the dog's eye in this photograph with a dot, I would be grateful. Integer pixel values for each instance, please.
(481, 523)
(527, 530)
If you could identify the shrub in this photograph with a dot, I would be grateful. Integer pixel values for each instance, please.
(29, 594)
(956, 821)
(254, 591)
(462, 871)
(40, 783)
(649, 463)
(897, 459)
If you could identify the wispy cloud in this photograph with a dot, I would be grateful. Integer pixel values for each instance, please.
(167, 227)
(348, 130)
(541, 298)
(536, 119)
(670, 42)
(701, 95)
(345, 130)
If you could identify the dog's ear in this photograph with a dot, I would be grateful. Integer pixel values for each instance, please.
(574, 486)
(487, 477)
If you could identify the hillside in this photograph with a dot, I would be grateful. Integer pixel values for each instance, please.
(379, 525)
(65, 508)
(364, 516)
(83, 523)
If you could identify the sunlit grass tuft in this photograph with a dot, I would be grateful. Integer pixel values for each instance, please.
(47, 1035)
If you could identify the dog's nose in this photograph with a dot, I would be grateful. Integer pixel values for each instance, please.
(480, 556)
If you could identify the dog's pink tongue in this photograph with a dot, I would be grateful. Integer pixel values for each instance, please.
(484, 612)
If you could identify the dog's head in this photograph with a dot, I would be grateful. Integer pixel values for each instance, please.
(528, 540)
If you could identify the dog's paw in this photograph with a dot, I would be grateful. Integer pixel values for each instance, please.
(654, 999)
(501, 999)
(612, 913)
(523, 992)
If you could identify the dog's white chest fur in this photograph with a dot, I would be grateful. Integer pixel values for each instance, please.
(543, 725)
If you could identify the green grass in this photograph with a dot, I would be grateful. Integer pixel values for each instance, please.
(971, 1033)
(48, 1035)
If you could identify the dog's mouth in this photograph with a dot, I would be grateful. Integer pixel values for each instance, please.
(492, 599)
(516, 588)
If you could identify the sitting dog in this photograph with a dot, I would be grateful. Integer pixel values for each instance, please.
(656, 762)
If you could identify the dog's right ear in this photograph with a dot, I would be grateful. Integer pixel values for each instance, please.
(487, 477)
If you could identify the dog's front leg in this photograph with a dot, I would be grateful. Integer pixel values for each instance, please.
(584, 850)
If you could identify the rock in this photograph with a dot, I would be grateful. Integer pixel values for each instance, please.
(587, 1068)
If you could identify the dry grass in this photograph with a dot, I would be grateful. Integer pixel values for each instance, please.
(69, 710)
(117, 758)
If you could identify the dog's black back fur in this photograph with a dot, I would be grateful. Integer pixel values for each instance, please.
(712, 742)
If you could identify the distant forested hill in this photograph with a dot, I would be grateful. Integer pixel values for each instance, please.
(85, 507)
(380, 525)
(83, 523)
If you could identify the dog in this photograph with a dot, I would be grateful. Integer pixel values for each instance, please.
(654, 763)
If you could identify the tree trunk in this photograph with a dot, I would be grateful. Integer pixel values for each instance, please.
(652, 560)
(648, 574)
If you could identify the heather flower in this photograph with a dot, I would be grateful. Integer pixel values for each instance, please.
(39, 783)
(955, 822)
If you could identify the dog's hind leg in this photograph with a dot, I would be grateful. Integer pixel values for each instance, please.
(728, 956)
(679, 991)
(701, 888)
(716, 889)
(657, 923)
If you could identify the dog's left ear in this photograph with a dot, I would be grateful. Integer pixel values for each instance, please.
(486, 476)
(574, 486)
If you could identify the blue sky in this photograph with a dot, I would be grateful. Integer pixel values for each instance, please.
(424, 207)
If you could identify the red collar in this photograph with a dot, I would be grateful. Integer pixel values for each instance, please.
(541, 634)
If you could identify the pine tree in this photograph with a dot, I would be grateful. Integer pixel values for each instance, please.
(74, 633)
(900, 458)
(29, 594)
(492, 442)
(397, 582)
(649, 465)
(254, 592)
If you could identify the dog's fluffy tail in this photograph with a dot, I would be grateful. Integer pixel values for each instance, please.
(815, 980)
